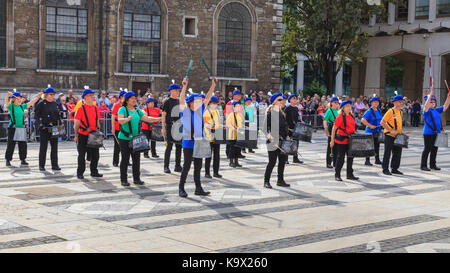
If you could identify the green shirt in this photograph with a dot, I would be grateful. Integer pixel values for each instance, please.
(134, 122)
(18, 114)
(250, 113)
(329, 115)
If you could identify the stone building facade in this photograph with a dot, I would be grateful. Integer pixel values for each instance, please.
(139, 44)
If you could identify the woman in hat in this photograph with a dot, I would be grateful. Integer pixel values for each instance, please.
(13, 102)
(116, 127)
(191, 112)
(129, 117)
(432, 127)
(249, 116)
(372, 119)
(344, 125)
(47, 113)
(276, 130)
(151, 110)
(233, 122)
(328, 122)
(214, 126)
(292, 118)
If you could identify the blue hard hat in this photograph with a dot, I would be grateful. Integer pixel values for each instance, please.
(247, 99)
(235, 102)
(122, 93)
(214, 99)
(150, 100)
(87, 91)
(345, 102)
(192, 97)
(274, 97)
(49, 90)
(292, 96)
(130, 94)
(432, 98)
(334, 99)
(397, 98)
(237, 92)
(284, 97)
(16, 94)
(375, 99)
(174, 87)
(202, 96)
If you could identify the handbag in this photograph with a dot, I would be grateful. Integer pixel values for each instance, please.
(289, 147)
(20, 134)
(95, 139)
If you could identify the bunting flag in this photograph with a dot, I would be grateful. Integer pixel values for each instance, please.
(430, 65)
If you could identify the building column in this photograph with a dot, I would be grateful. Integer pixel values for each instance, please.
(432, 11)
(300, 72)
(391, 10)
(411, 11)
(374, 76)
(437, 67)
(340, 82)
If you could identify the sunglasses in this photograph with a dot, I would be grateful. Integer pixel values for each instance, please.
(51, 94)
(279, 99)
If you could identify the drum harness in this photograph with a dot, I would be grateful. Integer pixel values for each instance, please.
(395, 119)
(86, 126)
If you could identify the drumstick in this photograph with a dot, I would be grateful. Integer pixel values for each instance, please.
(446, 84)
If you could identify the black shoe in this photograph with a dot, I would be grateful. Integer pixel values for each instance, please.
(283, 184)
(329, 166)
(167, 170)
(267, 185)
(80, 176)
(182, 193)
(436, 168)
(201, 192)
(241, 156)
(125, 184)
(139, 182)
(217, 175)
(337, 178)
(155, 156)
(130, 165)
(298, 161)
(425, 168)
(178, 169)
(387, 172)
(24, 163)
(208, 176)
(287, 162)
(96, 175)
(232, 165)
(378, 162)
(8, 163)
(352, 177)
(115, 164)
(368, 163)
(42, 169)
(56, 168)
(397, 172)
(146, 156)
(251, 151)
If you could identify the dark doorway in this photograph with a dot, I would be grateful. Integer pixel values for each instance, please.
(230, 88)
(141, 88)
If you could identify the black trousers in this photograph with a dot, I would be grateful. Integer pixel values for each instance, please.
(234, 150)
(376, 144)
(82, 150)
(45, 137)
(341, 151)
(116, 152)
(215, 148)
(415, 119)
(126, 152)
(329, 152)
(427, 149)
(273, 156)
(187, 155)
(148, 134)
(396, 154)
(12, 144)
(170, 143)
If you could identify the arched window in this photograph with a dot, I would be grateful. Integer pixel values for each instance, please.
(66, 44)
(141, 37)
(2, 33)
(234, 41)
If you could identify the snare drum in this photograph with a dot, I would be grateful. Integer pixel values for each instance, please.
(361, 145)
(401, 140)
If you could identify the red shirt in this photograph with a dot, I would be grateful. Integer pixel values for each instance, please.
(115, 111)
(152, 112)
(92, 112)
(350, 129)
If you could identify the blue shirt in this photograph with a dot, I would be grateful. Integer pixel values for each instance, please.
(375, 121)
(197, 117)
(436, 115)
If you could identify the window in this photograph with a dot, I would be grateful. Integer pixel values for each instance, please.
(234, 41)
(402, 10)
(443, 7)
(141, 37)
(422, 9)
(2, 33)
(189, 26)
(66, 44)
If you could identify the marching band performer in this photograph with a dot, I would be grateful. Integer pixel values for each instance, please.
(432, 127)
(213, 125)
(13, 102)
(116, 127)
(372, 119)
(233, 122)
(191, 112)
(249, 116)
(47, 112)
(344, 125)
(328, 122)
(152, 111)
(292, 117)
(237, 96)
(129, 116)
(276, 130)
(392, 123)
(87, 121)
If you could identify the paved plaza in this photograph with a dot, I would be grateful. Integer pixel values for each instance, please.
(56, 212)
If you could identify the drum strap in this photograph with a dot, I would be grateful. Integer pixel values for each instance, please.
(130, 134)
(395, 120)
(434, 124)
(86, 126)
(14, 117)
(344, 118)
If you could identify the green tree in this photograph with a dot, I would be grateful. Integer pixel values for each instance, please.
(325, 31)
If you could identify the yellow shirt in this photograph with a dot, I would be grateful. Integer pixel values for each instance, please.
(389, 119)
(79, 105)
(214, 122)
(232, 134)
